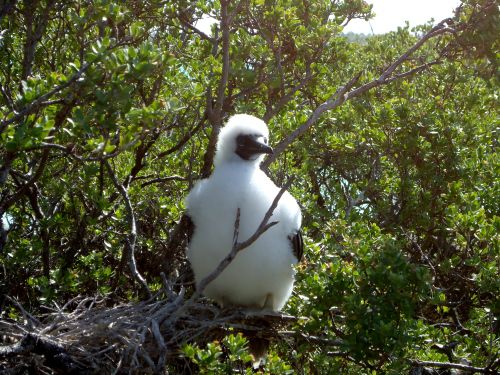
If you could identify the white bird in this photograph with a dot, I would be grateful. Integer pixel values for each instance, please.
(261, 275)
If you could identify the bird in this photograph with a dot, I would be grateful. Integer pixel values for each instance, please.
(262, 275)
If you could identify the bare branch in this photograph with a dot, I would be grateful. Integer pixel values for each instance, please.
(344, 93)
(30, 319)
(333, 102)
(163, 179)
(413, 71)
(215, 111)
(239, 246)
(457, 366)
(273, 110)
(130, 241)
(183, 140)
(196, 30)
(9, 201)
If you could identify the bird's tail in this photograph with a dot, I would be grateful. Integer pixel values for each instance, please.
(258, 348)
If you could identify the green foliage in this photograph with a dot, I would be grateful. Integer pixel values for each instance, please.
(234, 347)
(399, 186)
(234, 350)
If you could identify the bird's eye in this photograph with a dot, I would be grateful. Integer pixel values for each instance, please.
(265, 140)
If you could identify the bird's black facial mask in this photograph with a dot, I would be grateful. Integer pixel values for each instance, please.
(250, 146)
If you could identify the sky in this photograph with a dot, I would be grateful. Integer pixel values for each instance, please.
(389, 14)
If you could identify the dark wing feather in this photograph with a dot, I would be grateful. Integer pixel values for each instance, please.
(182, 231)
(297, 245)
(188, 226)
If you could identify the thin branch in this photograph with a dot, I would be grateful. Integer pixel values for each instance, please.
(273, 110)
(183, 140)
(70, 150)
(163, 179)
(411, 72)
(196, 30)
(7, 98)
(66, 149)
(344, 93)
(215, 111)
(435, 31)
(140, 154)
(333, 102)
(457, 366)
(239, 246)
(30, 319)
(4, 206)
(132, 237)
(43, 99)
(225, 61)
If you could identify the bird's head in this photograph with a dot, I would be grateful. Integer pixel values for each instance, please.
(244, 138)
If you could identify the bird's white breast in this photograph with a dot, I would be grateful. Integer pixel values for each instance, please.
(263, 268)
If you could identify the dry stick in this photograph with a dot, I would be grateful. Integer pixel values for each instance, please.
(453, 365)
(155, 328)
(130, 241)
(239, 246)
(12, 199)
(225, 25)
(30, 319)
(214, 111)
(164, 179)
(344, 93)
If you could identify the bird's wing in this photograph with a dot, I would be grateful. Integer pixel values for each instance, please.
(297, 244)
(187, 226)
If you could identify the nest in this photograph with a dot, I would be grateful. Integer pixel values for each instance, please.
(86, 337)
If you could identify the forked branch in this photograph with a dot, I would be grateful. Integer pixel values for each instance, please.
(132, 236)
(347, 91)
(239, 246)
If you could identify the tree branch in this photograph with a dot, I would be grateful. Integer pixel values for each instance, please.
(34, 32)
(196, 30)
(183, 140)
(239, 246)
(274, 110)
(163, 179)
(215, 113)
(42, 100)
(449, 365)
(344, 93)
(132, 237)
(9, 201)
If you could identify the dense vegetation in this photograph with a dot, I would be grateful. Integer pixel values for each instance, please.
(110, 111)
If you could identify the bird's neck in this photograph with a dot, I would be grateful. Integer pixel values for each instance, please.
(239, 166)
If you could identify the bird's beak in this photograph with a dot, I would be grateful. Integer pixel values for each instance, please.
(262, 148)
(247, 146)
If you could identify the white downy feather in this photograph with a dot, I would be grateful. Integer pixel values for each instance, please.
(261, 276)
